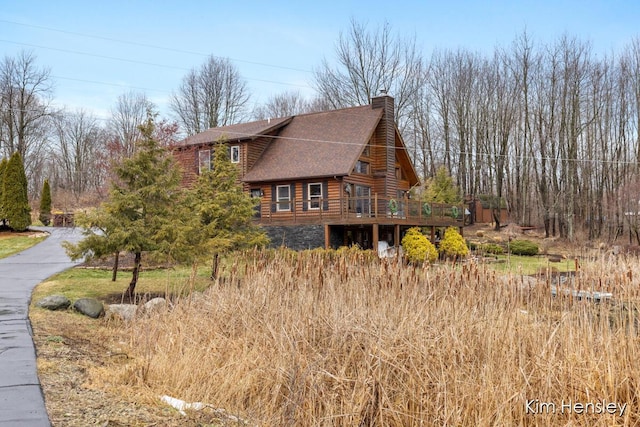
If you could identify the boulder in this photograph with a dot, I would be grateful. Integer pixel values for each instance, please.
(89, 307)
(154, 305)
(124, 312)
(54, 302)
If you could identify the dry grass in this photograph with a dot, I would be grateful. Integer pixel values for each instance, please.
(312, 340)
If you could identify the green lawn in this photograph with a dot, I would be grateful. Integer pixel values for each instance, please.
(12, 243)
(96, 283)
(530, 264)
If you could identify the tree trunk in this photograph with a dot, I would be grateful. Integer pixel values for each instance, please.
(134, 277)
(214, 266)
(496, 218)
(114, 274)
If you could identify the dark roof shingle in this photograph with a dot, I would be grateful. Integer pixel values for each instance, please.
(236, 132)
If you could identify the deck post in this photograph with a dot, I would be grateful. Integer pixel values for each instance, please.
(327, 236)
(396, 235)
(375, 205)
(375, 237)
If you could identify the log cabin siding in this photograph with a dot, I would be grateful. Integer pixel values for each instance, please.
(187, 158)
(331, 195)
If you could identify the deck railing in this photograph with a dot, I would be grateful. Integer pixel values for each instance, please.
(359, 208)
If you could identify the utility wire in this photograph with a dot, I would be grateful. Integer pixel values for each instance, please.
(145, 45)
(133, 61)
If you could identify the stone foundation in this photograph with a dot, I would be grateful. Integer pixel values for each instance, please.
(297, 237)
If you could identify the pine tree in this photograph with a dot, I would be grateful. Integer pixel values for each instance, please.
(441, 188)
(45, 203)
(224, 209)
(15, 199)
(3, 167)
(145, 211)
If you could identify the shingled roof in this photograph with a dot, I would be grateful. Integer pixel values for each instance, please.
(237, 132)
(317, 145)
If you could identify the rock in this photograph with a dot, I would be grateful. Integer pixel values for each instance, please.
(124, 312)
(154, 305)
(89, 307)
(54, 302)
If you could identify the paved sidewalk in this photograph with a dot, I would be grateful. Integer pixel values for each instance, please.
(21, 398)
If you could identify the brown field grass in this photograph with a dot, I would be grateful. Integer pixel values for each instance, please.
(313, 340)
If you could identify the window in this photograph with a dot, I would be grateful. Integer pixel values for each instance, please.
(367, 151)
(256, 193)
(283, 198)
(363, 200)
(315, 195)
(235, 154)
(361, 167)
(204, 161)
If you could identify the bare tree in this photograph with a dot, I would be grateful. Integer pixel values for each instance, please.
(283, 105)
(25, 95)
(367, 63)
(127, 115)
(211, 96)
(79, 141)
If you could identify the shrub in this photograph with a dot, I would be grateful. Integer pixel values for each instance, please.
(491, 248)
(417, 248)
(453, 244)
(523, 247)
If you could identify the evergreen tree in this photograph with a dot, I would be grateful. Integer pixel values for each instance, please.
(45, 203)
(15, 199)
(3, 167)
(441, 188)
(145, 211)
(224, 209)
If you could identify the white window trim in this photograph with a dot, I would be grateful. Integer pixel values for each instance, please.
(235, 154)
(281, 201)
(314, 199)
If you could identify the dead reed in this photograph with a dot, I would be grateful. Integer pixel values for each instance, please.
(316, 340)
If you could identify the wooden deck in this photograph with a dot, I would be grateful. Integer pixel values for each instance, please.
(352, 211)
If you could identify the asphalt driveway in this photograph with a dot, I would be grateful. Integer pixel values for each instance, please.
(21, 398)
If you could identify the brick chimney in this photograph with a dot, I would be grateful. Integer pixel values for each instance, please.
(387, 130)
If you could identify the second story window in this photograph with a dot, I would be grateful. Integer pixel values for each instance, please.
(235, 154)
(204, 161)
(362, 167)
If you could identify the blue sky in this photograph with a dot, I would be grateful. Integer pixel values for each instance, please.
(99, 50)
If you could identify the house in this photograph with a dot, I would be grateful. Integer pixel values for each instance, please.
(325, 179)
